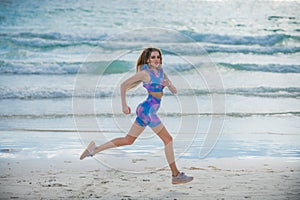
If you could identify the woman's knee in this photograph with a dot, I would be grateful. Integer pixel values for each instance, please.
(165, 136)
(129, 140)
(169, 139)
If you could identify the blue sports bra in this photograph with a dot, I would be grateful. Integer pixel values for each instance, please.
(156, 80)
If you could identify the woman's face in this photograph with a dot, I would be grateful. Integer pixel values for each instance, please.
(155, 59)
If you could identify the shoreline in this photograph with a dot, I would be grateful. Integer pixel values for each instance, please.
(214, 178)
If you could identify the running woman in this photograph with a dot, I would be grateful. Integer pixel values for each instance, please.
(149, 71)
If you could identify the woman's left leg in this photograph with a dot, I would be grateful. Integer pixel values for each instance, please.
(177, 177)
(167, 139)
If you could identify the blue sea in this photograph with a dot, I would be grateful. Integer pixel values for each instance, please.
(236, 65)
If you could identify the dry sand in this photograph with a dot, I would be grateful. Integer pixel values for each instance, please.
(224, 178)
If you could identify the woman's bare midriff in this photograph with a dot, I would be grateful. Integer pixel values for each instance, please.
(158, 95)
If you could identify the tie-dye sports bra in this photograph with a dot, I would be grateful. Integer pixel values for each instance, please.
(156, 80)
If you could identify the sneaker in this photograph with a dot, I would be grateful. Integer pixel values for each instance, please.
(181, 178)
(89, 151)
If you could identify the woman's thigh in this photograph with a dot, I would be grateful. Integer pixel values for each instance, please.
(162, 133)
(135, 130)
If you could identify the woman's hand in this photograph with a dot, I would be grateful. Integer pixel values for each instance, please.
(173, 89)
(126, 110)
(168, 83)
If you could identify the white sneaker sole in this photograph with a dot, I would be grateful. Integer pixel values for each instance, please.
(181, 182)
(87, 150)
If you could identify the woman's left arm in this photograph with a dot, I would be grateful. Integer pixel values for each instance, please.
(169, 84)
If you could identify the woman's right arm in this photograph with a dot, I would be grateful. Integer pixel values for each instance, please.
(139, 76)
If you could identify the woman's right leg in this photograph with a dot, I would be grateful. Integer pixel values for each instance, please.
(129, 139)
(131, 136)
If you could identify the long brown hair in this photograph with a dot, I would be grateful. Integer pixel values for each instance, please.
(143, 59)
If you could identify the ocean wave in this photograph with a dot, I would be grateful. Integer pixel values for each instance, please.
(50, 40)
(60, 40)
(266, 40)
(57, 93)
(51, 93)
(123, 66)
(275, 68)
(100, 67)
(195, 49)
(253, 50)
(268, 92)
(34, 93)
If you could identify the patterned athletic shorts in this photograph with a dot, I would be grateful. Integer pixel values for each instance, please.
(146, 112)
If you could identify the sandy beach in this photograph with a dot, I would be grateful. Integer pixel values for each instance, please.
(224, 178)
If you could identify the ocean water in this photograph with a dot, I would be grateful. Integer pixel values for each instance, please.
(236, 65)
